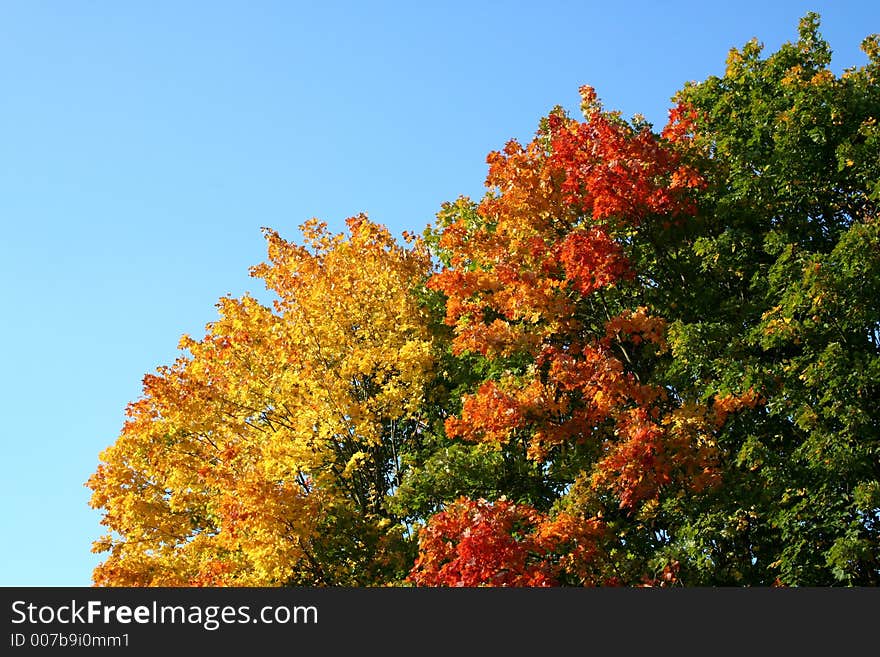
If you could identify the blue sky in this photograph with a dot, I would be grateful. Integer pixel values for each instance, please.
(144, 144)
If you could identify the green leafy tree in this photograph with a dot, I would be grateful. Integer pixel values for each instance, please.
(783, 297)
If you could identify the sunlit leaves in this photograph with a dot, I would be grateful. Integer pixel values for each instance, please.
(480, 543)
(642, 358)
(281, 425)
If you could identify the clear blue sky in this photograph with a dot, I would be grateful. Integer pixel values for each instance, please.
(143, 144)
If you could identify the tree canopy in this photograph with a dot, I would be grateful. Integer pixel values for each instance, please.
(644, 357)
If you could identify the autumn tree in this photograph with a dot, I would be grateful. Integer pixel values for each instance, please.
(529, 278)
(644, 357)
(680, 330)
(263, 455)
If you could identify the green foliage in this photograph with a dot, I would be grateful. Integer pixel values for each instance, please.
(787, 261)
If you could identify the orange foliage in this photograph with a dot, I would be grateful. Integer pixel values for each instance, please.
(481, 543)
(549, 237)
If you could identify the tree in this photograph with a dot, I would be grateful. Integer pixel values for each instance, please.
(682, 328)
(530, 281)
(784, 268)
(643, 358)
(264, 455)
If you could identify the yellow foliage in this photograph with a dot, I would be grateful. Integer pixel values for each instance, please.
(227, 462)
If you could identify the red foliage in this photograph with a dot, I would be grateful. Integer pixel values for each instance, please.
(481, 543)
(611, 170)
(551, 234)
